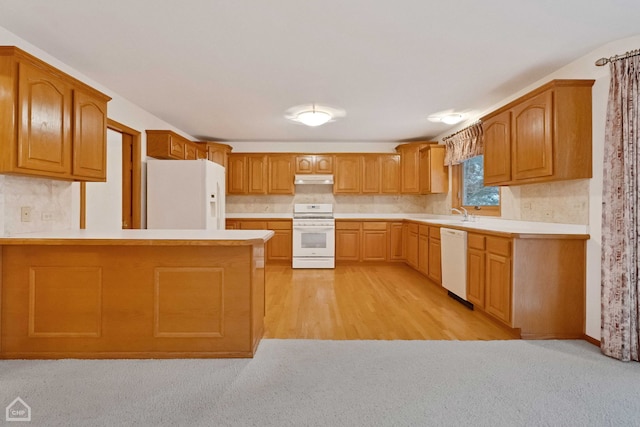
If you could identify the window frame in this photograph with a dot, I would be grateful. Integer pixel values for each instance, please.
(456, 196)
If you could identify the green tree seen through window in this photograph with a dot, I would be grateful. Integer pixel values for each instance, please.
(474, 193)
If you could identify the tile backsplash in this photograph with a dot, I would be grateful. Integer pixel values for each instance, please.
(49, 201)
(564, 202)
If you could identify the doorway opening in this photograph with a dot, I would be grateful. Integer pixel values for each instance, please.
(127, 156)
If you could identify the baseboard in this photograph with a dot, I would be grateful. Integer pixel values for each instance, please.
(590, 340)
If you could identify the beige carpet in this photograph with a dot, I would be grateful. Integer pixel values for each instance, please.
(339, 383)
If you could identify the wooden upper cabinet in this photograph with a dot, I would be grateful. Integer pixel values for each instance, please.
(422, 169)
(190, 152)
(371, 173)
(237, 174)
(542, 136)
(51, 125)
(348, 170)
(409, 168)
(314, 164)
(532, 143)
(257, 174)
(390, 173)
(433, 174)
(497, 148)
(90, 136)
(201, 151)
(44, 111)
(167, 145)
(217, 152)
(281, 170)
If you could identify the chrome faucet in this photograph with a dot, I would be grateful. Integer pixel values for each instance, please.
(465, 214)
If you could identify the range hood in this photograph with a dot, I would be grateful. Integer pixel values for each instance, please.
(313, 179)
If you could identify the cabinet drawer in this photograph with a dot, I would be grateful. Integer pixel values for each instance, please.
(499, 246)
(423, 230)
(342, 225)
(434, 232)
(413, 228)
(279, 225)
(374, 225)
(253, 225)
(475, 241)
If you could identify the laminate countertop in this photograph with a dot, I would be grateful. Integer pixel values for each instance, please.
(512, 228)
(142, 237)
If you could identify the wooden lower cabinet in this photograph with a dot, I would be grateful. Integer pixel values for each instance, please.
(529, 283)
(489, 278)
(475, 269)
(374, 241)
(397, 241)
(347, 241)
(423, 249)
(279, 247)
(413, 245)
(435, 257)
(363, 240)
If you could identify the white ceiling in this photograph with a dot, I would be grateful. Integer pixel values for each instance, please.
(230, 69)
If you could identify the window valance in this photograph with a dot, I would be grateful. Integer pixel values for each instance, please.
(464, 144)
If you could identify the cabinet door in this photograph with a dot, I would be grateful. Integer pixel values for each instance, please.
(347, 173)
(279, 247)
(374, 241)
(532, 137)
(237, 174)
(257, 174)
(347, 245)
(396, 241)
(89, 137)
(390, 173)
(475, 277)
(498, 279)
(323, 164)
(176, 148)
(423, 254)
(304, 164)
(434, 175)
(497, 149)
(370, 173)
(44, 114)
(280, 174)
(412, 248)
(201, 152)
(435, 257)
(410, 169)
(190, 151)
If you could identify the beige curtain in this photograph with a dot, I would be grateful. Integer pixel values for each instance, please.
(620, 216)
(464, 144)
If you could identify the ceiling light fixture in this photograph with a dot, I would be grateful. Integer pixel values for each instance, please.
(448, 118)
(313, 115)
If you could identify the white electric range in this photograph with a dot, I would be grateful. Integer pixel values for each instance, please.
(314, 231)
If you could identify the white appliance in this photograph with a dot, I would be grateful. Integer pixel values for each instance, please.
(185, 194)
(454, 263)
(314, 236)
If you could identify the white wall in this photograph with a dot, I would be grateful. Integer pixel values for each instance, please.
(104, 199)
(67, 207)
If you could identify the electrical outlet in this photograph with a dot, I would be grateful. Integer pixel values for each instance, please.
(47, 216)
(25, 214)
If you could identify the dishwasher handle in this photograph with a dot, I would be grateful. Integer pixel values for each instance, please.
(452, 232)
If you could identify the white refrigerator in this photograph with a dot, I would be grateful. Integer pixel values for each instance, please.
(185, 194)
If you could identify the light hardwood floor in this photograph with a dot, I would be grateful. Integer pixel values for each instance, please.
(367, 302)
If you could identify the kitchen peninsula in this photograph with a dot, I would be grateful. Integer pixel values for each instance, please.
(132, 294)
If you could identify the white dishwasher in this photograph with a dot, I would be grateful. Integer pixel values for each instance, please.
(454, 263)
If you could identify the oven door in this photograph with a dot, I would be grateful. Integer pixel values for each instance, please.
(311, 241)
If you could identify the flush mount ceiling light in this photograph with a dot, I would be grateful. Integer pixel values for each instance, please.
(448, 117)
(313, 115)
